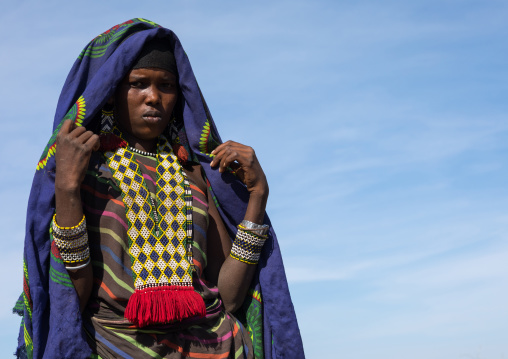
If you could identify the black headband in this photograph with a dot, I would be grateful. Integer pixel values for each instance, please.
(157, 54)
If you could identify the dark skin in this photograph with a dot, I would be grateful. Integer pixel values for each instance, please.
(144, 103)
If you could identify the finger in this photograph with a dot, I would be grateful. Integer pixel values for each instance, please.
(84, 136)
(229, 157)
(219, 153)
(235, 166)
(89, 141)
(219, 147)
(95, 142)
(66, 127)
(78, 131)
(245, 154)
(238, 170)
(240, 148)
(222, 146)
(223, 154)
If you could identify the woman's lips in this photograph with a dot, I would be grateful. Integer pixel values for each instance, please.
(152, 116)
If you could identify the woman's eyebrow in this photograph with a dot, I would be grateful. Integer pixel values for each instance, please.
(136, 77)
(169, 78)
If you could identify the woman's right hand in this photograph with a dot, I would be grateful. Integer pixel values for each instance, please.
(74, 146)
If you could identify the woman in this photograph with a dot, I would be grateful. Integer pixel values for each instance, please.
(131, 220)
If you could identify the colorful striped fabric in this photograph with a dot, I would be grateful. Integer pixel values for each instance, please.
(218, 335)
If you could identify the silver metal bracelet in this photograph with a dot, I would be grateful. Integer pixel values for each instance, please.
(259, 229)
(80, 266)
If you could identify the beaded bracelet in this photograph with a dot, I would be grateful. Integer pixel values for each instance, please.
(72, 242)
(247, 246)
(69, 231)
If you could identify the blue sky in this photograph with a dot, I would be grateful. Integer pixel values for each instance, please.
(383, 132)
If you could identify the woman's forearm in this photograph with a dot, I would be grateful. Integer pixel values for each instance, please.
(236, 276)
(74, 147)
(234, 282)
(69, 213)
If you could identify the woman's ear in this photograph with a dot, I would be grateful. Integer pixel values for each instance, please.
(111, 101)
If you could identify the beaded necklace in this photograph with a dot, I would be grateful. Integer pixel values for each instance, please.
(160, 237)
(152, 199)
(144, 153)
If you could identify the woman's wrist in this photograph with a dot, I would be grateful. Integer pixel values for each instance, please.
(68, 206)
(256, 208)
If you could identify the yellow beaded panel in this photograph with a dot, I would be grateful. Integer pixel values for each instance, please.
(157, 259)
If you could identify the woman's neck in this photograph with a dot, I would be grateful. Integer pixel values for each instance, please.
(142, 145)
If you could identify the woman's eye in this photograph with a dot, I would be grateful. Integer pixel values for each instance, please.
(135, 84)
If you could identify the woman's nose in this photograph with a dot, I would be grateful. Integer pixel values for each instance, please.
(153, 95)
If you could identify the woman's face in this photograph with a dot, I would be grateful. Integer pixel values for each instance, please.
(144, 102)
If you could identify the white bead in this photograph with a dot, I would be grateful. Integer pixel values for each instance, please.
(144, 153)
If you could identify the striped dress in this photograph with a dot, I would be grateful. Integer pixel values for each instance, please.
(110, 335)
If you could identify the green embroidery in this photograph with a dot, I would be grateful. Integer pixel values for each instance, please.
(98, 46)
(60, 278)
(28, 343)
(206, 142)
(76, 114)
(251, 316)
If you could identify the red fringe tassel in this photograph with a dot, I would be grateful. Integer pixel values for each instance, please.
(164, 304)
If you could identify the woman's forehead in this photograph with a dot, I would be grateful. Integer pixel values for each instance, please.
(151, 72)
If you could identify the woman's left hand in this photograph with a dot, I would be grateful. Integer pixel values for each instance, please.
(242, 159)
